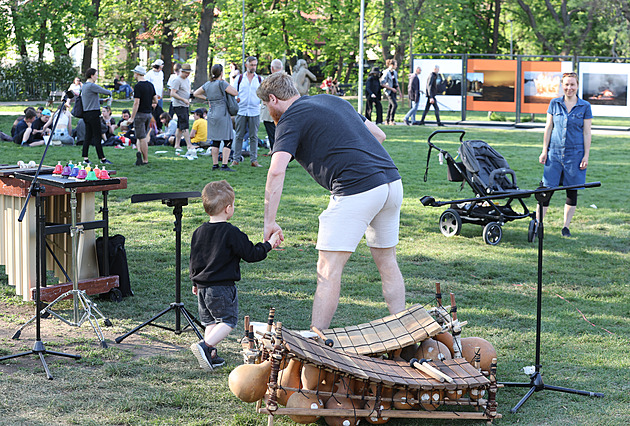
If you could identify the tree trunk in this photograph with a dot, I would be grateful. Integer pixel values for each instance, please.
(387, 30)
(42, 40)
(167, 47)
(89, 38)
(203, 42)
(495, 27)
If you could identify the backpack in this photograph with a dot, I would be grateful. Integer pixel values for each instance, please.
(240, 78)
(77, 109)
(117, 261)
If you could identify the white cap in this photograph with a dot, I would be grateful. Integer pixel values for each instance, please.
(158, 62)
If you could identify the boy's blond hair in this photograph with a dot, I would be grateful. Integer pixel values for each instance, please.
(217, 196)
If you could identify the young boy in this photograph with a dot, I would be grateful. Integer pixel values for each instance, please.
(215, 252)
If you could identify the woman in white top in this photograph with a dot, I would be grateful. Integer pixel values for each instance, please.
(76, 87)
(63, 129)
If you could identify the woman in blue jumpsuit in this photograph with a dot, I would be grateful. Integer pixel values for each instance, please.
(566, 144)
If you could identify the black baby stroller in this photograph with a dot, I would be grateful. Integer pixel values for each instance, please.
(489, 176)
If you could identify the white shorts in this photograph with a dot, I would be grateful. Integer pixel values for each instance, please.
(374, 213)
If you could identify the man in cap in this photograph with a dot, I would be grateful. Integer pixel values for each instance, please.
(156, 77)
(143, 96)
(180, 95)
(373, 95)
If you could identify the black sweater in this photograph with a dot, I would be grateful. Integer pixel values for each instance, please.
(216, 250)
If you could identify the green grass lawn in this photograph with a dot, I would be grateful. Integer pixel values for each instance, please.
(586, 303)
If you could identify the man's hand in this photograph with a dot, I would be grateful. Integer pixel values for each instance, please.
(275, 239)
(194, 290)
(273, 232)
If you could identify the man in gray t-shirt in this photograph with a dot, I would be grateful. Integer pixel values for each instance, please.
(180, 97)
(343, 154)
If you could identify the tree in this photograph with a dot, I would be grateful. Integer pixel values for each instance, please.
(203, 42)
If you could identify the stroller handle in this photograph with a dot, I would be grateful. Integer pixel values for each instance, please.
(436, 132)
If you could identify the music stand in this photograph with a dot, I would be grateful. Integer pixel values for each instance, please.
(536, 384)
(176, 200)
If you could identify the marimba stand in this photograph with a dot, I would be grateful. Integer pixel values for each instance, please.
(79, 297)
(176, 200)
(39, 348)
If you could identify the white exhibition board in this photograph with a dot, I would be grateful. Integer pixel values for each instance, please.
(605, 87)
(449, 81)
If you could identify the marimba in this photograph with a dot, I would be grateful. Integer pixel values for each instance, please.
(18, 243)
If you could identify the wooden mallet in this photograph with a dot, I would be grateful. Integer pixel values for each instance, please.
(429, 370)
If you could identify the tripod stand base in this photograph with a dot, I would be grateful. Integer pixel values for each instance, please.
(536, 385)
(87, 306)
(179, 310)
(40, 350)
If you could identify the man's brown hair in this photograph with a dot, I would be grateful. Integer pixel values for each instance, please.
(217, 196)
(280, 85)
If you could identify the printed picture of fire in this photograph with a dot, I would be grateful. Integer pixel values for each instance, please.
(541, 87)
(605, 89)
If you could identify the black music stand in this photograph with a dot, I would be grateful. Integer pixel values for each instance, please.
(536, 384)
(175, 200)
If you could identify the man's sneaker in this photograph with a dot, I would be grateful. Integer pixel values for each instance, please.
(215, 167)
(106, 161)
(225, 168)
(138, 159)
(565, 232)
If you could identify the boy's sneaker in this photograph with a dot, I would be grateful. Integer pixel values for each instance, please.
(204, 355)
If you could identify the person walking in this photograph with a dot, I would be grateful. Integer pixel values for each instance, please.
(219, 120)
(373, 95)
(390, 82)
(143, 97)
(414, 96)
(566, 145)
(92, 115)
(431, 100)
(180, 95)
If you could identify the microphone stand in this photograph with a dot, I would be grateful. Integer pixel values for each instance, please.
(536, 384)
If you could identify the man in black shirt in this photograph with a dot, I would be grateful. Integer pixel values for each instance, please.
(143, 96)
(340, 151)
(24, 128)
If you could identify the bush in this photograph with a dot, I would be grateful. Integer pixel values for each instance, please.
(28, 79)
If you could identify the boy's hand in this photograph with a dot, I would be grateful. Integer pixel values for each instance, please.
(274, 240)
(194, 290)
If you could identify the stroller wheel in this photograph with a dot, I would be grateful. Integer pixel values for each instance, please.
(492, 233)
(450, 223)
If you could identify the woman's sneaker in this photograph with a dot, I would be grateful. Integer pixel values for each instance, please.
(208, 357)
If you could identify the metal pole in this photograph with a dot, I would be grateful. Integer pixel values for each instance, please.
(360, 84)
(511, 44)
(243, 46)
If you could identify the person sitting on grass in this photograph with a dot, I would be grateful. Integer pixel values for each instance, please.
(199, 132)
(24, 130)
(215, 252)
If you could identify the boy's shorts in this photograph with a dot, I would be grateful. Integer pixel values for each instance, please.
(218, 304)
(183, 117)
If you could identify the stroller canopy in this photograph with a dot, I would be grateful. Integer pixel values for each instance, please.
(486, 167)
